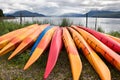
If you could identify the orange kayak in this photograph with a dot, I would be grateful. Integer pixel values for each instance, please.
(96, 62)
(28, 41)
(75, 61)
(17, 40)
(112, 44)
(42, 45)
(6, 38)
(111, 56)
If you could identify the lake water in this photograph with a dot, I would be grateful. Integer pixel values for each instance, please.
(107, 24)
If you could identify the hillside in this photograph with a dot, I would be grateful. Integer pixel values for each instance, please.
(72, 15)
(25, 13)
(104, 14)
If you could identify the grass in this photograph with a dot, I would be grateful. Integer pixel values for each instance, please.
(13, 69)
(115, 33)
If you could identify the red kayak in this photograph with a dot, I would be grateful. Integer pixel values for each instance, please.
(114, 38)
(114, 45)
(55, 47)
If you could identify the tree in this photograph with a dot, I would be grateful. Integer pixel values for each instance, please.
(1, 13)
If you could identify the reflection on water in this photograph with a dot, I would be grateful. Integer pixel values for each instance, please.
(107, 24)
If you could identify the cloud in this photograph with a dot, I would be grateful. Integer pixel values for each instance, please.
(58, 7)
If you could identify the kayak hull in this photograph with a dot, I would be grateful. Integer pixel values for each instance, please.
(28, 41)
(39, 38)
(75, 61)
(6, 38)
(42, 45)
(114, 45)
(99, 66)
(16, 41)
(111, 56)
(55, 47)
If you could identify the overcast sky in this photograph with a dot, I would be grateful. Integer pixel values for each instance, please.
(58, 7)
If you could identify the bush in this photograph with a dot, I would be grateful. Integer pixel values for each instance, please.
(100, 30)
(66, 22)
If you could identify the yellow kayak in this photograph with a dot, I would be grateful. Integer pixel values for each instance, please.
(96, 62)
(111, 56)
(42, 45)
(6, 38)
(75, 61)
(28, 41)
(17, 40)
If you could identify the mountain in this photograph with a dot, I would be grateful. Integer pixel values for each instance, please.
(92, 13)
(72, 15)
(104, 14)
(25, 13)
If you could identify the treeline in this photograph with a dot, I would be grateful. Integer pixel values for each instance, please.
(1, 13)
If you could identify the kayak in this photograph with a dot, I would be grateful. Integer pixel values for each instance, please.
(96, 62)
(55, 47)
(14, 31)
(75, 61)
(114, 38)
(6, 38)
(114, 45)
(17, 40)
(42, 45)
(39, 38)
(28, 41)
(111, 56)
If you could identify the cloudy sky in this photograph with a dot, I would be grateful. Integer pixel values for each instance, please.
(58, 7)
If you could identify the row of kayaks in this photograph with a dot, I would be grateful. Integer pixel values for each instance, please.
(41, 36)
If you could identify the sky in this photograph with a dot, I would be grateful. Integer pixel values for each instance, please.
(58, 7)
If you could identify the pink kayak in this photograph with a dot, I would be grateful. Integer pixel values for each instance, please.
(55, 47)
(42, 45)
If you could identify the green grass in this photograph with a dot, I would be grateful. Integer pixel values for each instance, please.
(13, 69)
(115, 33)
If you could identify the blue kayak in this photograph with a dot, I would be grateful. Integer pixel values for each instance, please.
(39, 38)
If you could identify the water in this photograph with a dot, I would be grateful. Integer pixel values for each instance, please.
(107, 24)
